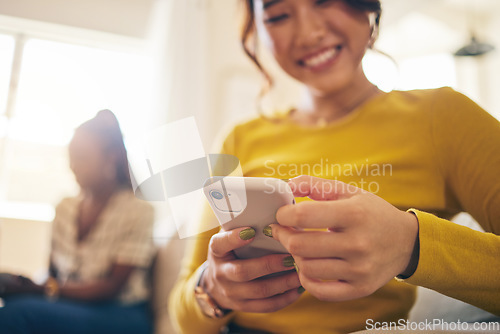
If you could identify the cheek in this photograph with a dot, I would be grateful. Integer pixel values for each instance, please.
(348, 23)
(88, 170)
(81, 172)
(360, 46)
(280, 47)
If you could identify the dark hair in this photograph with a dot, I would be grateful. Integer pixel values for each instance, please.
(248, 30)
(106, 128)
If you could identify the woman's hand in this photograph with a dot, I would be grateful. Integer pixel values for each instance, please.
(16, 284)
(239, 284)
(364, 242)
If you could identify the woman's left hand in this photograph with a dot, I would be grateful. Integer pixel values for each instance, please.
(364, 241)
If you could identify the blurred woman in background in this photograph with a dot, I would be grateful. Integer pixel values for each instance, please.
(102, 247)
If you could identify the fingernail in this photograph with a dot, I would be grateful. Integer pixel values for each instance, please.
(247, 234)
(288, 261)
(296, 267)
(268, 231)
(301, 289)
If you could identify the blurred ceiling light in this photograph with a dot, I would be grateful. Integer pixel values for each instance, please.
(474, 48)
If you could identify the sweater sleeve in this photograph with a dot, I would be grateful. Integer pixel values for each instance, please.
(456, 260)
(184, 309)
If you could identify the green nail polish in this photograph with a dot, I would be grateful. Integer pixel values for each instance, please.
(247, 234)
(268, 231)
(288, 261)
(301, 289)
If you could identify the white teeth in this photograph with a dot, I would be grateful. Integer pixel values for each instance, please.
(321, 58)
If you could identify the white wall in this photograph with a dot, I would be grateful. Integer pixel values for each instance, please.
(416, 28)
(123, 17)
(24, 246)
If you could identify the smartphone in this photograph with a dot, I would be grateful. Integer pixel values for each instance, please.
(252, 202)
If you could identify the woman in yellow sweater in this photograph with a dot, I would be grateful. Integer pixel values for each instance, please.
(371, 157)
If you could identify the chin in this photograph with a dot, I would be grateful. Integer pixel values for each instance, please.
(327, 82)
(327, 88)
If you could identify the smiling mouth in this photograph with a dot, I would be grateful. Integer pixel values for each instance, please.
(321, 59)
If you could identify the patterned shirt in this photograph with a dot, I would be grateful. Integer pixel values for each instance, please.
(123, 234)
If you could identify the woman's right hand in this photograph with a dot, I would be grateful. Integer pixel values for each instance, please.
(239, 284)
(16, 284)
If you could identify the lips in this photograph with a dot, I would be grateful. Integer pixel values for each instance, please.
(321, 59)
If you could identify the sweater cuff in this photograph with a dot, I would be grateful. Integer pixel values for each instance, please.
(426, 252)
(192, 284)
(189, 318)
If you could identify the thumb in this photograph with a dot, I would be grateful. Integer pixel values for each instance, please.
(222, 243)
(321, 189)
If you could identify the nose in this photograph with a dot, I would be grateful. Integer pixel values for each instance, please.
(310, 28)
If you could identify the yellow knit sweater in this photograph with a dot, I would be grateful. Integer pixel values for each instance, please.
(433, 150)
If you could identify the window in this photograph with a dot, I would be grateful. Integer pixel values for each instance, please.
(60, 86)
(7, 46)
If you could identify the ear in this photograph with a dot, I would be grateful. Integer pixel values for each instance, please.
(373, 37)
(374, 29)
